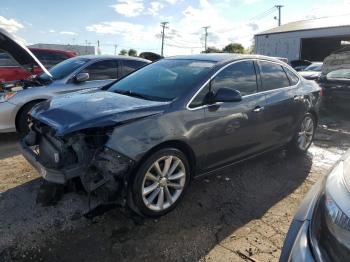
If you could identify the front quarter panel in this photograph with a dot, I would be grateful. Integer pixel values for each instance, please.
(137, 138)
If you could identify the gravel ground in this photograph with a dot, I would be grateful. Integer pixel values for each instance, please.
(240, 214)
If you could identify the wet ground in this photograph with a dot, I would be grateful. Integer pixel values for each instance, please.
(240, 214)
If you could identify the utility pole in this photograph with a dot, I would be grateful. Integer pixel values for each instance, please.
(205, 37)
(279, 7)
(163, 25)
(115, 49)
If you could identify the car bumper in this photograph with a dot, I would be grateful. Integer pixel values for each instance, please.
(7, 117)
(52, 175)
(297, 246)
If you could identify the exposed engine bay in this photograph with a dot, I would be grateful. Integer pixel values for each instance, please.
(80, 155)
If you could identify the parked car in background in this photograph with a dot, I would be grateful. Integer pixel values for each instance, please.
(313, 71)
(11, 70)
(300, 65)
(320, 230)
(147, 135)
(336, 89)
(151, 56)
(335, 80)
(74, 74)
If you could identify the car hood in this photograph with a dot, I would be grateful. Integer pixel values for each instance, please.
(18, 51)
(78, 111)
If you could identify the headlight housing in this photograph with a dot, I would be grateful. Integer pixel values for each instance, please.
(5, 97)
(330, 225)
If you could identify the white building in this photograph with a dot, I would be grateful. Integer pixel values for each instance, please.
(308, 39)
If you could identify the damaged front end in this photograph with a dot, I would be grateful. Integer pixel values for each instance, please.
(82, 154)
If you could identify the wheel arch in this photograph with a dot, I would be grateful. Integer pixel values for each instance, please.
(21, 109)
(177, 144)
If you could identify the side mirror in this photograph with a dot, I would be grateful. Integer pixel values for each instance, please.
(227, 95)
(81, 77)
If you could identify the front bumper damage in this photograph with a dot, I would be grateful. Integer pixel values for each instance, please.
(50, 174)
(82, 155)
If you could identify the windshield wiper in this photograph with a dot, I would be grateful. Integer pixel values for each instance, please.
(133, 94)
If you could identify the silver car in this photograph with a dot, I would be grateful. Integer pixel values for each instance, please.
(71, 75)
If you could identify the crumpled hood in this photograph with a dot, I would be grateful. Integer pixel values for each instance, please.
(77, 111)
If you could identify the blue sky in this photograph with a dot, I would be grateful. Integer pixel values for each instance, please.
(135, 23)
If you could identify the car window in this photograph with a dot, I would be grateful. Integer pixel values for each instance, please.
(201, 97)
(314, 67)
(293, 78)
(102, 70)
(131, 65)
(339, 74)
(49, 59)
(7, 60)
(165, 79)
(272, 76)
(239, 76)
(64, 68)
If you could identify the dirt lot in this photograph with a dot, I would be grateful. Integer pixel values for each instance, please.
(242, 212)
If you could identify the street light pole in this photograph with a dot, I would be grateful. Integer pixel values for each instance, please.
(163, 25)
(205, 37)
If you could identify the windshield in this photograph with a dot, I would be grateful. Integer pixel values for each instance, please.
(314, 67)
(341, 73)
(164, 80)
(64, 69)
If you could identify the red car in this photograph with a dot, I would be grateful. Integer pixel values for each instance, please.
(10, 69)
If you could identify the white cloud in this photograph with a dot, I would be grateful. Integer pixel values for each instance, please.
(155, 7)
(114, 28)
(67, 33)
(52, 31)
(172, 1)
(129, 8)
(11, 25)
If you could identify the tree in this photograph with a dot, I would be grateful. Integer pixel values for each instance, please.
(132, 52)
(234, 48)
(212, 50)
(123, 52)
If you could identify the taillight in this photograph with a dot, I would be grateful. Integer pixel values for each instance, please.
(322, 91)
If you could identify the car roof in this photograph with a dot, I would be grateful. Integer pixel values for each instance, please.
(222, 57)
(121, 57)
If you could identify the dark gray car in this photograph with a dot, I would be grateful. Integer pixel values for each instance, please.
(320, 230)
(148, 134)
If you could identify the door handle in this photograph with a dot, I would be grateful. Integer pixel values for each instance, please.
(298, 98)
(258, 109)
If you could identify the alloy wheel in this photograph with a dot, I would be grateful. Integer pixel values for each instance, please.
(306, 133)
(163, 183)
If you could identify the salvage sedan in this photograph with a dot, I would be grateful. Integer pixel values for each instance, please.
(151, 132)
(320, 230)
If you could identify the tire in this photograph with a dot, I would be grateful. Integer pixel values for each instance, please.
(22, 119)
(304, 135)
(148, 191)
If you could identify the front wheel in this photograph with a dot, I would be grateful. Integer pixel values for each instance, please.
(305, 134)
(160, 182)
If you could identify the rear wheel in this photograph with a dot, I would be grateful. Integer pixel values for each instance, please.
(305, 134)
(160, 182)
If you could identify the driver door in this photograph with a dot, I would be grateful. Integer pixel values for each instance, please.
(100, 73)
(234, 129)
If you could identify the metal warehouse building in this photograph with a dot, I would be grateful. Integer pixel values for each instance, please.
(308, 39)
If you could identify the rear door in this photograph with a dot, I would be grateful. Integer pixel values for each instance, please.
(280, 113)
(233, 128)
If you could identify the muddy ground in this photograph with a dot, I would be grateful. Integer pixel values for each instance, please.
(240, 213)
